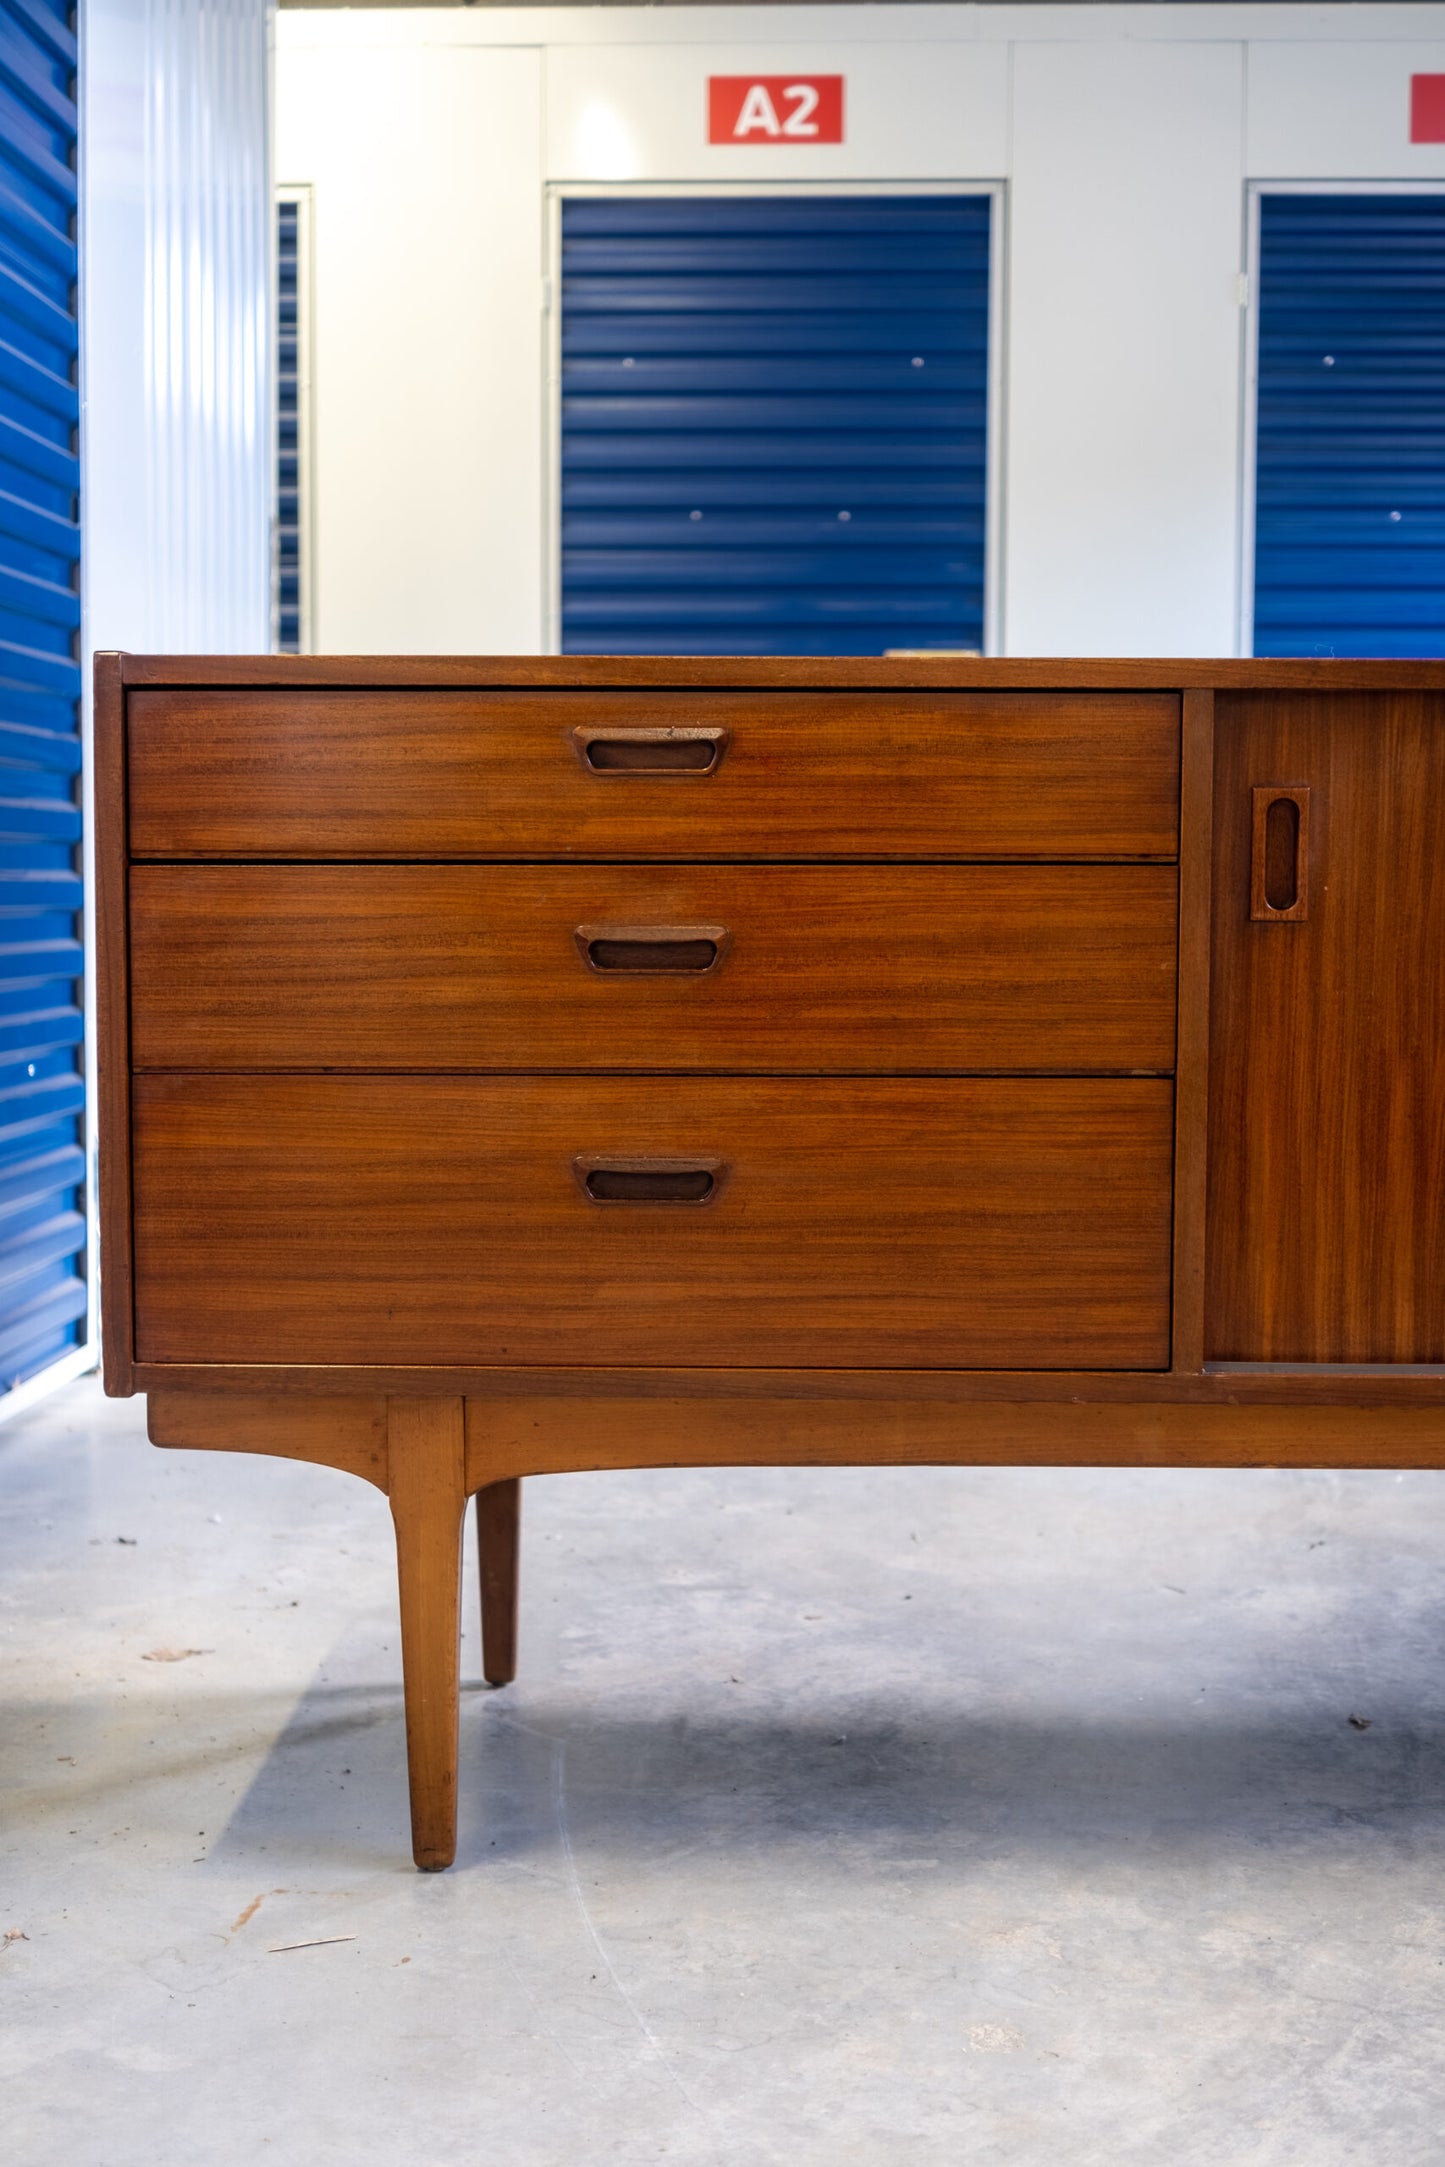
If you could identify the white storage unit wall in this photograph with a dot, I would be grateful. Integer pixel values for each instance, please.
(1123, 141)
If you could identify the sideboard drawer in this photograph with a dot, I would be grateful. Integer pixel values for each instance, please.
(1043, 967)
(983, 1222)
(338, 774)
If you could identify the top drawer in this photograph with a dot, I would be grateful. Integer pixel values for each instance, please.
(438, 774)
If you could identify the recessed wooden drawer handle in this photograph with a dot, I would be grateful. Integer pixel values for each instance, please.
(650, 1181)
(1279, 872)
(651, 751)
(653, 950)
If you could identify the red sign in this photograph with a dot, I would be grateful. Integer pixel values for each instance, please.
(1427, 109)
(775, 109)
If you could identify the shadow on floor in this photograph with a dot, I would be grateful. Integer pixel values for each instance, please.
(535, 1772)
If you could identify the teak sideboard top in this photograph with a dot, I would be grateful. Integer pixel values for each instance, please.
(510, 1066)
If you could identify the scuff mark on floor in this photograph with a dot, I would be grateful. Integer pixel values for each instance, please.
(564, 1837)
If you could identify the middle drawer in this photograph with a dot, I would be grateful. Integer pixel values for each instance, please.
(1064, 968)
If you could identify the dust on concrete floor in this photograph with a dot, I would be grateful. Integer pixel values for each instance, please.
(837, 1819)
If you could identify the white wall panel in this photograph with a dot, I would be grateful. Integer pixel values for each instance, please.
(425, 163)
(115, 565)
(177, 324)
(1340, 112)
(928, 112)
(175, 309)
(1124, 345)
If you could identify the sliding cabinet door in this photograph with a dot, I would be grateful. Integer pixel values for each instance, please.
(1327, 1094)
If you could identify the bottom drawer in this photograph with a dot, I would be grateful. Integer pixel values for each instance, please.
(983, 1222)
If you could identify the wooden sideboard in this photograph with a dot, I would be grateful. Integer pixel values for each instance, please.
(512, 1066)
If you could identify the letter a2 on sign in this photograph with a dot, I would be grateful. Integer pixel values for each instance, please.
(775, 109)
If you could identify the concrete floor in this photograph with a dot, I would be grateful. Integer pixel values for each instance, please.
(837, 1819)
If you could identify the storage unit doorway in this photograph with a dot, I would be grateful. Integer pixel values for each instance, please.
(774, 420)
(1345, 467)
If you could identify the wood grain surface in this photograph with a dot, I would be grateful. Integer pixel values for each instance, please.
(993, 1222)
(499, 1527)
(1326, 1129)
(1049, 968)
(846, 673)
(1362, 1391)
(528, 1435)
(426, 1483)
(332, 774)
(513, 1432)
(1191, 1074)
(347, 1432)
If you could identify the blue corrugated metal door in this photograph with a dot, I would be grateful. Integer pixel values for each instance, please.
(774, 424)
(42, 1157)
(1350, 474)
(288, 427)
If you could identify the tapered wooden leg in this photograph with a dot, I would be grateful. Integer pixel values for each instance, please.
(498, 1520)
(426, 1481)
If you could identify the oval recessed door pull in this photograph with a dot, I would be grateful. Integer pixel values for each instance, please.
(651, 751)
(649, 1181)
(655, 951)
(1279, 871)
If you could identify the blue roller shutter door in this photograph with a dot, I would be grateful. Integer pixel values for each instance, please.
(774, 424)
(1350, 473)
(42, 1155)
(288, 428)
